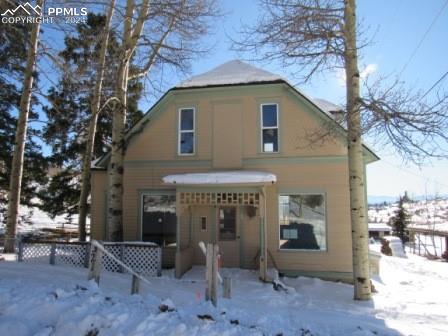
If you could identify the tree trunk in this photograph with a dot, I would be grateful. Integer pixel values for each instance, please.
(95, 107)
(15, 182)
(116, 168)
(360, 247)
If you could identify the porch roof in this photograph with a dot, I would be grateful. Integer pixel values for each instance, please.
(222, 178)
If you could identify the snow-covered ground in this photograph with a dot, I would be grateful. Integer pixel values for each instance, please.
(54, 300)
(37, 221)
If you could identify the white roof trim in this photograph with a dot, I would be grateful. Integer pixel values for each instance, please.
(221, 178)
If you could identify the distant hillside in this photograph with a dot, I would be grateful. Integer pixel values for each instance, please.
(421, 212)
(373, 199)
(381, 199)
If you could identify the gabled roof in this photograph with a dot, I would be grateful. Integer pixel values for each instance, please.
(230, 73)
(233, 73)
(327, 106)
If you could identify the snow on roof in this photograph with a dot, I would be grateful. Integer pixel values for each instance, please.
(226, 177)
(327, 106)
(232, 72)
(379, 227)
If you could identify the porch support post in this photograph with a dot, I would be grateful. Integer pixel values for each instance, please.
(177, 259)
(178, 213)
(263, 235)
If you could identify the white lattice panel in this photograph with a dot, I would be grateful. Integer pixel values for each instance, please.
(144, 259)
(220, 198)
(36, 253)
(73, 255)
(108, 263)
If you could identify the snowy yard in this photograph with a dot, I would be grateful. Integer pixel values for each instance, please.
(52, 300)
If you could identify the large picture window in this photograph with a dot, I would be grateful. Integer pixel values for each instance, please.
(302, 222)
(186, 134)
(269, 128)
(159, 219)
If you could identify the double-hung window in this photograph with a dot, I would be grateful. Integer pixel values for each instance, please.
(269, 128)
(186, 134)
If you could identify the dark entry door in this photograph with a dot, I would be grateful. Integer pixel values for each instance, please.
(228, 235)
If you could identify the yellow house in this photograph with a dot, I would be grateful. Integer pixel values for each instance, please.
(223, 158)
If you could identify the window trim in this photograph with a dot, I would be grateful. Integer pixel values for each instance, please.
(262, 128)
(324, 194)
(180, 131)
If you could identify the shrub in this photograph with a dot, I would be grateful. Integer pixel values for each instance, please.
(445, 255)
(385, 248)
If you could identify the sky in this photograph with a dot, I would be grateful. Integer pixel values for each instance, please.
(407, 39)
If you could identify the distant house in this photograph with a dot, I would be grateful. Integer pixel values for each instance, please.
(221, 158)
(379, 230)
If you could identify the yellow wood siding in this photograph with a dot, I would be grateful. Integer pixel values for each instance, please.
(152, 154)
(227, 136)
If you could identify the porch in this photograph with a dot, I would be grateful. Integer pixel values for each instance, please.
(226, 208)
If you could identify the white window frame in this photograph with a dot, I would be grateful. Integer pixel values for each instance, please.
(262, 128)
(324, 195)
(180, 131)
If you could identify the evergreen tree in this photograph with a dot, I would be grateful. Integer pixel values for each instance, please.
(69, 113)
(400, 220)
(12, 66)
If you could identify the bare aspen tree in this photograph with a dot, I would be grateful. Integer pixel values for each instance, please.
(173, 29)
(314, 36)
(131, 35)
(356, 168)
(95, 110)
(19, 146)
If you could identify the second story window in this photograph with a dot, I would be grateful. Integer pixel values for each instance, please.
(186, 131)
(269, 128)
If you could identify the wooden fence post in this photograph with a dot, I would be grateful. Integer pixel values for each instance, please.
(53, 254)
(214, 282)
(122, 252)
(227, 290)
(208, 271)
(95, 266)
(88, 246)
(135, 287)
(20, 256)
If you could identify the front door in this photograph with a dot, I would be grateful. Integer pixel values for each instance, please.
(228, 235)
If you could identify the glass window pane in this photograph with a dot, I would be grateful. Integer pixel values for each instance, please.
(227, 223)
(302, 222)
(269, 115)
(187, 143)
(159, 219)
(270, 140)
(187, 120)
